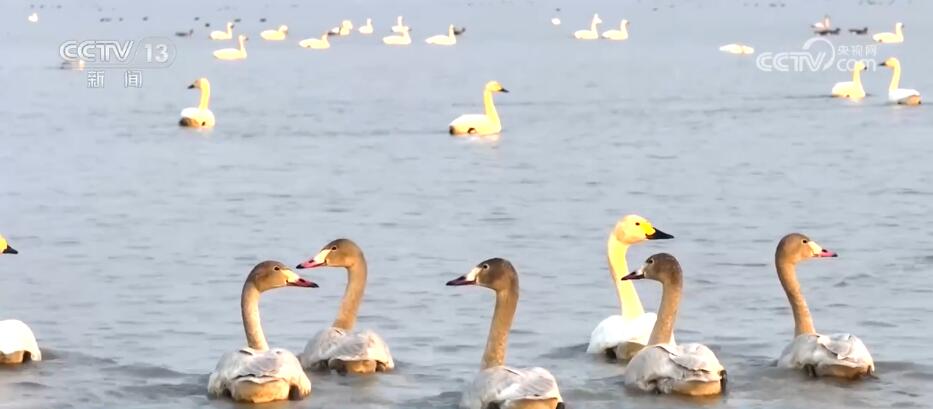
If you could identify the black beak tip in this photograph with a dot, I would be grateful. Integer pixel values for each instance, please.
(191, 86)
(314, 285)
(10, 250)
(659, 235)
(299, 267)
(504, 90)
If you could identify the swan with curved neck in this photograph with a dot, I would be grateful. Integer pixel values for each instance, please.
(200, 116)
(337, 347)
(621, 336)
(497, 385)
(662, 367)
(891, 38)
(441, 39)
(17, 342)
(403, 38)
(592, 33)
(366, 28)
(233, 53)
(400, 26)
(223, 35)
(837, 355)
(618, 35)
(851, 89)
(322, 43)
(257, 374)
(480, 124)
(903, 96)
(278, 34)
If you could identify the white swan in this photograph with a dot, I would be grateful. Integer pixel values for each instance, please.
(822, 25)
(366, 28)
(17, 342)
(662, 367)
(496, 385)
(555, 21)
(736, 48)
(401, 39)
(233, 53)
(621, 336)
(618, 35)
(322, 43)
(200, 116)
(400, 26)
(257, 374)
(223, 35)
(838, 355)
(480, 124)
(903, 96)
(33, 18)
(891, 38)
(441, 39)
(851, 89)
(592, 33)
(337, 347)
(278, 34)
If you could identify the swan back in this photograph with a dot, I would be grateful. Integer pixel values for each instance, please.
(15, 336)
(822, 351)
(248, 365)
(504, 386)
(336, 343)
(667, 368)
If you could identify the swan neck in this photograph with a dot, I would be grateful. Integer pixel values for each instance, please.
(857, 77)
(895, 78)
(497, 342)
(242, 44)
(663, 330)
(249, 308)
(787, 273)
(491, 112)
(205, 95)
(352, 296)
(629, 302)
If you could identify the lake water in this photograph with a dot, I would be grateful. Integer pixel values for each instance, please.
(135, 235)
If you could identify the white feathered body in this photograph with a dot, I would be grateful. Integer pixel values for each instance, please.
(198, 118)
(15, 336)
(505, 386)
(666, 368)
(240, 373)
(335, 344)
(617, 330)
(824, 351)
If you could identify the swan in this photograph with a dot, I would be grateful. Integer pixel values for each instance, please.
(257, 374)
(443, 39)
(200, 116)
(555, 21)
(618, 35)
(496, 385)
(621, 336)
(275, 35)
(223, 35)
(233, 53)
(366, 28)
(400, 26)
(337, 347)
(735, 48)
(838, 355)
(904, 96)
(662, 366)
(592, 33)
(346, 27)
(17, 342)
(401, 39)
(316, 43)
(33, 18)
(480, 124)
(851, 89)
(891, 38)
(822, 25)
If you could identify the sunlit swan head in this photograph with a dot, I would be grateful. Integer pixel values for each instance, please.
(633, 229)
(200, 83)
(795, 247)
(495, 86)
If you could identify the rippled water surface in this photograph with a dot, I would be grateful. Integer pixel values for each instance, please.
(136, 235)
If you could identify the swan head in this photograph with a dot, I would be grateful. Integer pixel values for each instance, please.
(891, 62)
(242, 37)
(495, 86)
(347, 24)
(5, 247)
(860, 66)
(625, 23)
(899, 25)
(283, 28)
(661, 267)
(795, 247)
(200, 83)
(338, 253)
(496, 273)
(596, 18)
(229, 25)
(633, 229)
(273, 274)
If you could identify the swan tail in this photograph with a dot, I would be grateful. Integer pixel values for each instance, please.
(188, 122)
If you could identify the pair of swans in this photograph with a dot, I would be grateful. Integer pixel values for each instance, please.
(592, 33)
(17, 342)
(854, 89)
(200, 116)
(480, 124)
(230, 54)
(258, 374)
(891, 38)
(223, 35)
(277, 34)
(402, 38)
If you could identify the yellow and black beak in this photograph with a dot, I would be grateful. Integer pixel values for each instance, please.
(504, 90)
(10, 250)
(658, 235)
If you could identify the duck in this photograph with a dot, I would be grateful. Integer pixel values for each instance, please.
(736, 48)
(902, 96)
(322, 43)
(823, 24)
(620, 336)
(834, 31)
(33, 18)
(480, 124)
(618, 35)
(497, 385)
(189, 33)
(891, 38)
(851, 89)
(275, 35)
(592, 33)
(223, 35)
(233, 53)
(366, 28)
(400, 39)
(256, 373)
(337, 347)
(17, 342)
(200, 116)
(664, 367)
(399, 26)
(837, 355)
(441, 39)
(859, 31)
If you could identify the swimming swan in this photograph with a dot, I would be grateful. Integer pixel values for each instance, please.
(838, 355)
(480, 124)
(223, 35)
(904, 96)
(17, 342)
(275, 35)
(592, 33)
(735, 48)
(200, 116)
(322, 43)
(662, 367)
(33, 18)
(822, 25)
(851, 89)
(401, 39)
(337, 347)
(400, 26)
(621, 336)
(496, 385)
(441, 39)
(257, 374)
(233, 53)
(891, 38)
(367, 28)
(618, 35)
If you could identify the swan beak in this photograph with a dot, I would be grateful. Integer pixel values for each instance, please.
(826, 253)
(303, 283)
(658, 235)
(504, 90)
(883, 64)
(10, 250)
(191, 86)
(317, 261)
(462, 280)
(635, 275)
